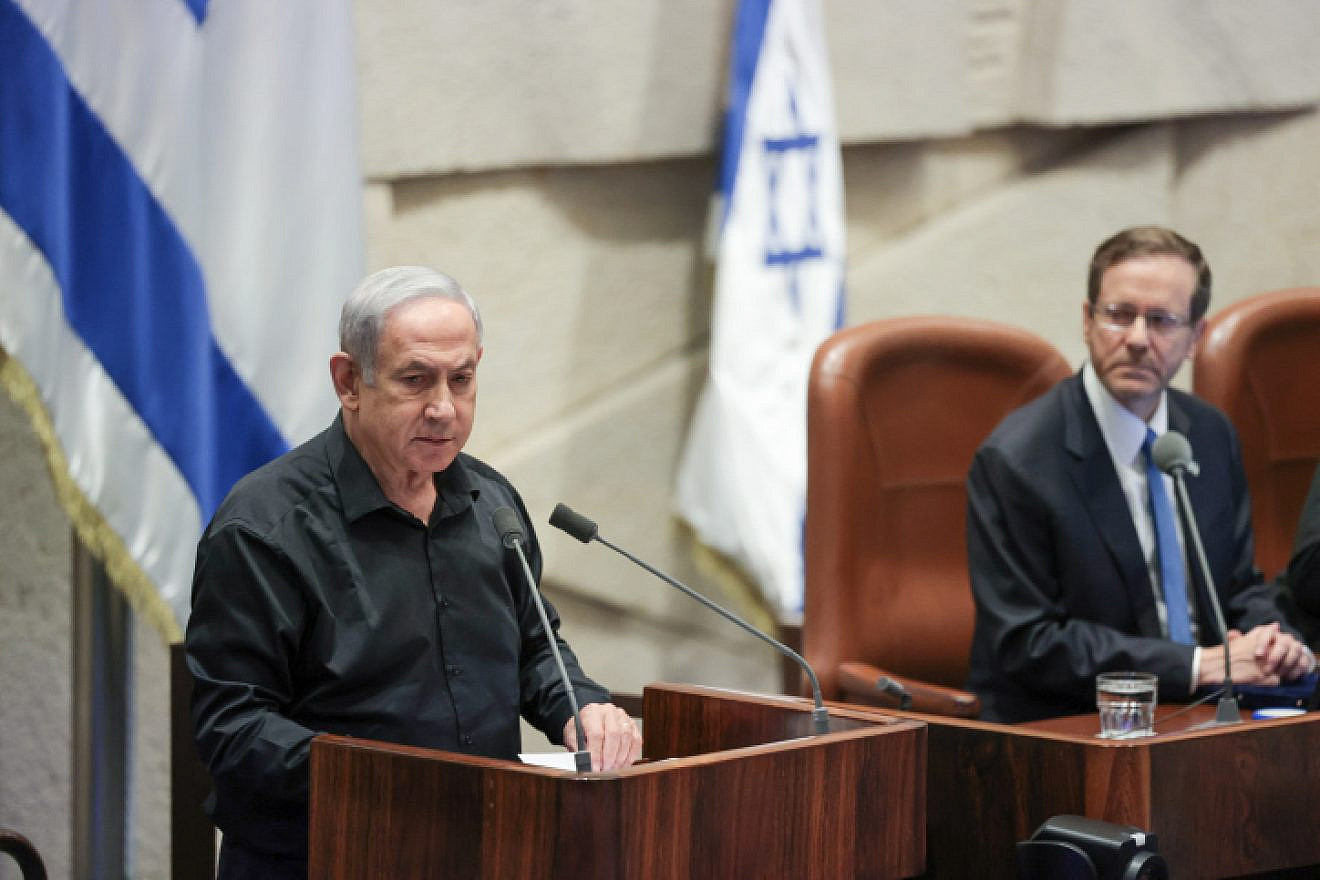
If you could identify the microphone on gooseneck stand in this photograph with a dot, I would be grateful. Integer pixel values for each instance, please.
(895, 690)
(586, 531)
(511, 535)
(1172, 454)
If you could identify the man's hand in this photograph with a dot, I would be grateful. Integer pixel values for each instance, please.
(1280, 653)
(1265, 656)
(612, 738)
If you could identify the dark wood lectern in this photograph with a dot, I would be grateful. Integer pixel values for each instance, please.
(732, 786)
(1223, 801)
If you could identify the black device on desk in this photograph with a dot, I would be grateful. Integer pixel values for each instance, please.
(1300, 694)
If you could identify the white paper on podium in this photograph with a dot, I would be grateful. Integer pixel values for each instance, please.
(553, 760)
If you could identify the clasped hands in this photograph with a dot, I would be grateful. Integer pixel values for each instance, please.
(612, 738)
(1264, 656)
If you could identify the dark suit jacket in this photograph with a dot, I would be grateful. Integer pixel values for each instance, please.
(1060, 583)
(1303, 576)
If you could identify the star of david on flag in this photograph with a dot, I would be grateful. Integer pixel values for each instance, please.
(778, 294)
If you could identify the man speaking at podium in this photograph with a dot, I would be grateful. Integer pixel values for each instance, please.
(1077, 559)
(358, 586)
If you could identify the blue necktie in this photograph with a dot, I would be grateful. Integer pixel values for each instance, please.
(1173, 577)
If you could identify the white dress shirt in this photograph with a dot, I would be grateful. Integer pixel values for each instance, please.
(1124, 434)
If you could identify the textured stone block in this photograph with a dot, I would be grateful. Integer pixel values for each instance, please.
(1248, 193)
(1019, 254)
(585, 277)
(457, 86)
(1084, 62)
(899, 68)
(449, 86)
(35, 646)
(894, 188)
(614, 461)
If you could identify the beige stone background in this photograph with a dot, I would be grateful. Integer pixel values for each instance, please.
(557, 157)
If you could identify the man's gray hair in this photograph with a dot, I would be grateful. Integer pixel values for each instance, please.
(370, 303)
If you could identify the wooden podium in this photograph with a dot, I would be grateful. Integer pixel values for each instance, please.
(1223, 801)
(732, 786)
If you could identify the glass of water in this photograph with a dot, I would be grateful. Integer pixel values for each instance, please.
(1126, 701)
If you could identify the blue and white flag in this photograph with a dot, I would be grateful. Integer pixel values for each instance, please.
(778, 294)
(180, 219)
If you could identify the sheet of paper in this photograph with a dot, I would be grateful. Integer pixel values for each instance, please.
(554, 760)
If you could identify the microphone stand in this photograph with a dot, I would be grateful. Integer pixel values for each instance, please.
(506, 522)
(1227, 712)
(585, 531)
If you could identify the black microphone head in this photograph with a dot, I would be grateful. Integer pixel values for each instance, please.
(1172, 452)
(574, 523)
(508, 525)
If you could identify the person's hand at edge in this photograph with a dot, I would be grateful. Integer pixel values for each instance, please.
(612, 737)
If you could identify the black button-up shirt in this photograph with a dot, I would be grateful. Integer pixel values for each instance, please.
(320, 606)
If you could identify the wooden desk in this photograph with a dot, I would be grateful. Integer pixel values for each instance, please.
(1224, 802)
(735, 787)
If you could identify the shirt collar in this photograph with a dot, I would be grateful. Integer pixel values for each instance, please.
(455, 489)
(360, 493)
(1123, 431)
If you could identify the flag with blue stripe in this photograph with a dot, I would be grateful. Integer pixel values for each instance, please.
(778, 294)
(180, 217)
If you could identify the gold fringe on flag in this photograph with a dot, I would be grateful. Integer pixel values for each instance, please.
(88, 524)
(739, 588)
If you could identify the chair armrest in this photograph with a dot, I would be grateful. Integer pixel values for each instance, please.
(861, 682)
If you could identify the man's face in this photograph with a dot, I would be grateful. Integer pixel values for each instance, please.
(419, 414)
(1137, 362)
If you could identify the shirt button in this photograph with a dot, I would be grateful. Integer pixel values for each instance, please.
(467, 739)
(454, 670)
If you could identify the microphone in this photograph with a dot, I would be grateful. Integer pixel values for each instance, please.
(511, 536)
(586, 531)
(1172, 454)
(895, 690)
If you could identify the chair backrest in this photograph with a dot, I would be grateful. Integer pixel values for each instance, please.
(24, 853)
(895, 411)
(1257, 362)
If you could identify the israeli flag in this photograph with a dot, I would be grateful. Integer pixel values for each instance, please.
(778, 294)
(180, 219)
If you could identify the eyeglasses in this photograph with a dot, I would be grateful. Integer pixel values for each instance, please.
(1121, 316)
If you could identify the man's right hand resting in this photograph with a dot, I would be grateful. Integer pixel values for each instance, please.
(1264, 656)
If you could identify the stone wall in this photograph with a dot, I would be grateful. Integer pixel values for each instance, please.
(557, 158)
(35, 648)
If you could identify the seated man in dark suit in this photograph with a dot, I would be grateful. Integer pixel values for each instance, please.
(1066, 540)
(1303, 575)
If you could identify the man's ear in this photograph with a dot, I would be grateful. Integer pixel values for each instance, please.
(1198, 330)
(347, 379)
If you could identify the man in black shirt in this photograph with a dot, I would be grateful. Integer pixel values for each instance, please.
(357, 585)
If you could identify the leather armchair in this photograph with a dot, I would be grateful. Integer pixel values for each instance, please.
(24, 853)
(1257, 362)
(895, 411)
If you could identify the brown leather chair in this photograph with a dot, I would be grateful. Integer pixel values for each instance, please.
(1258, 362)
(895, 411)
(24, 853)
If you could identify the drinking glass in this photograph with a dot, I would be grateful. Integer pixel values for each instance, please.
(1126, 701)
